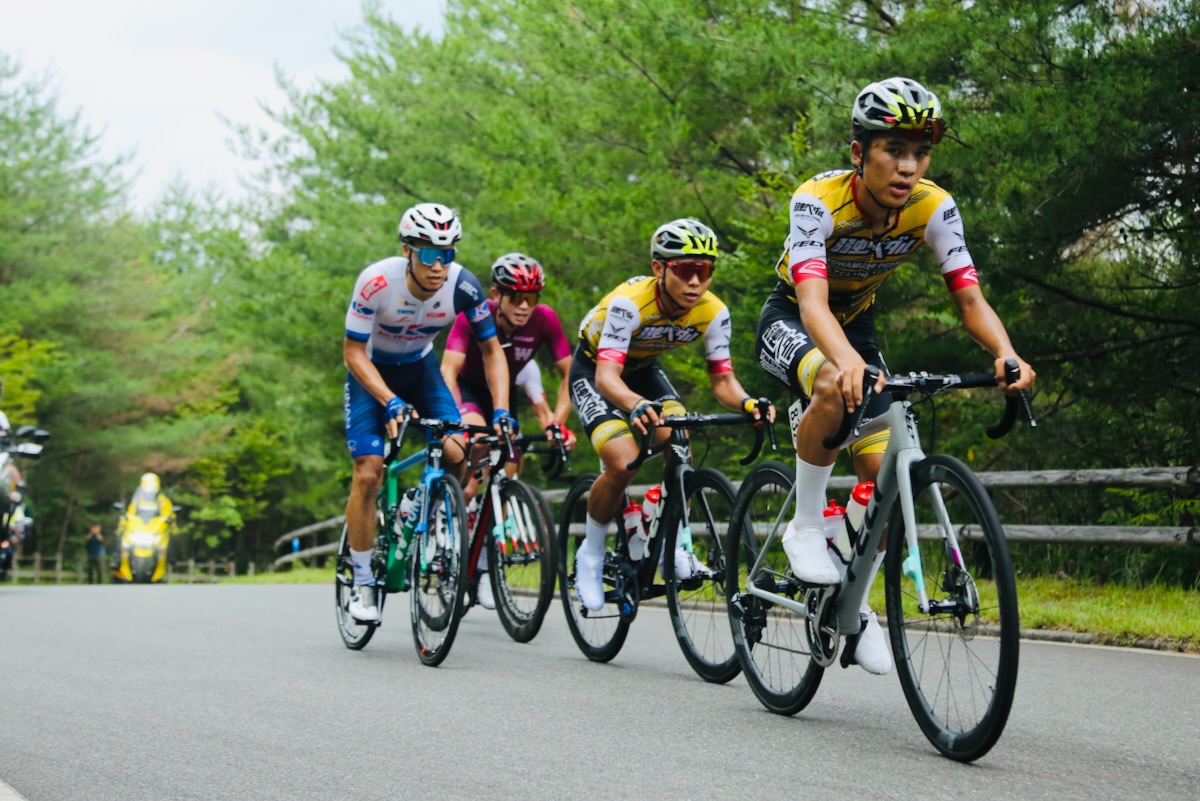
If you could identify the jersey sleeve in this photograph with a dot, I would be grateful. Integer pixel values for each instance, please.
(364, 303)
(556, 338)
(469, 300)
(530, 379)
(621, 319)
(716, 343)
(459, 338)
(944, 235)
(811, 225)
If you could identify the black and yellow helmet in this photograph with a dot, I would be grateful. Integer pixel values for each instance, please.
(897, 104)
(683, 237)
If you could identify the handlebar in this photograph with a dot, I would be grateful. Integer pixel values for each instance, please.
(931, 384)
(436, 427)
(693, 420)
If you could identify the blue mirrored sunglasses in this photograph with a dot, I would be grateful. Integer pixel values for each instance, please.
(429, 255)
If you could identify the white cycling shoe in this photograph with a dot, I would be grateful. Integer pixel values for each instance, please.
(362, 604)
(872, 653)
(688, 565)
(484, 593)
(808, 553)
(589, 579)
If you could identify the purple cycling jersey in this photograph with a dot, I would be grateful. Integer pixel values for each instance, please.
(543, 328)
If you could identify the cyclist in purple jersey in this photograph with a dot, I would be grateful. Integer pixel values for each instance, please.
(523, 326)
(398, 306)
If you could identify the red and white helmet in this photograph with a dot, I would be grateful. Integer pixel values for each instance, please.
(516, 272)
(430, 222)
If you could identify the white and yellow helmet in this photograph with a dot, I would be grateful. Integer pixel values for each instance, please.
(897, 104)
(683, 237)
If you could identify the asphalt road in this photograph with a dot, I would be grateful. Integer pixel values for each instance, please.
(246, 692)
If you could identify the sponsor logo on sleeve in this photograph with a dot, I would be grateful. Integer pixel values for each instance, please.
(950, 213)
(478, 313)
(373, 286)
(361, 311)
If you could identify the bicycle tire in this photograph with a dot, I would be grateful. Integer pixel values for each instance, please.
(771, 641)
(957, 665)
(355, 633)
(600, 634)
(698, 605)
(438, 590)
(522, 574)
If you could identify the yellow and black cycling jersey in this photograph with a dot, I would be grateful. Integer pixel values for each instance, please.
(831, 238)
(628, 327)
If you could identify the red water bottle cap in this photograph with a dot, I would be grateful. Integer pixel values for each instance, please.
(654, 494)
(833, 509)
(862, 492)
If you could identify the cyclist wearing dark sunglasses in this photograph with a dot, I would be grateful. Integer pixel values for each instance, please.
(616, 381)
(850, 229)
(398, 306)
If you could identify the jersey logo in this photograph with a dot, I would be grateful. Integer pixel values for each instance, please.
(361, 310)
(523, 354)
(373, 286)
(478, 313)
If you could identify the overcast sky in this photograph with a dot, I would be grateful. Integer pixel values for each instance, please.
(152, 76)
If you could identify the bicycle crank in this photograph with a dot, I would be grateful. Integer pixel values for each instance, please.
(820, 626)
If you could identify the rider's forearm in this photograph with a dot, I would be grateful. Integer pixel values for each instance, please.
(983, 324)
(728, 391)
(827, 333)
(562, 404)
(610, 385)
(495, 369)
(354, 354)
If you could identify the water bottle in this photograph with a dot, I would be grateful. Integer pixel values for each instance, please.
(651, 507)
(636, 531)
(856, 509)
(835, 534)
(403, 526)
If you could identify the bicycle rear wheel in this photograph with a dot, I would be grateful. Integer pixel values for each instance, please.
(770, 640)
(698, 604)
(958, 661)
(522, 563)
(438, 573)
(598, 634)
(355, 634)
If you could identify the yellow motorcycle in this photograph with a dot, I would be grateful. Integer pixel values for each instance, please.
(145, 534)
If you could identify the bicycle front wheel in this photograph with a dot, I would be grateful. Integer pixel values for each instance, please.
(355, 634)
(522, 572)
(438, 573)
(697, 602)
(598, 634)
(771, 640)
(957, 660)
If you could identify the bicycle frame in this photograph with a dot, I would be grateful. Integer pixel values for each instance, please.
(894, 482)
(389, 494)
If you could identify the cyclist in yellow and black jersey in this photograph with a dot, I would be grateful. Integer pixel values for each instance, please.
(849, 231)
(616, 381)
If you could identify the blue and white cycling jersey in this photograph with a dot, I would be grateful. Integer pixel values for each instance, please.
(397, 327)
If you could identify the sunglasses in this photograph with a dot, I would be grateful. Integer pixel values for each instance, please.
(428, 256)
(686, 270)
(519, 298)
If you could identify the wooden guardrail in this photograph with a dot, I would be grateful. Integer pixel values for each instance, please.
(1146, 477)
(38, 569)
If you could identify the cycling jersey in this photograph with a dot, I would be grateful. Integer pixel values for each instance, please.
(629, 327)
(399, 328)
(542, 328)
(831, 238)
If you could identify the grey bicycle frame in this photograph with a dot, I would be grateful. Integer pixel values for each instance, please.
(893, 483)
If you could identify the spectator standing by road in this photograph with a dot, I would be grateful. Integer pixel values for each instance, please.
(95, 554)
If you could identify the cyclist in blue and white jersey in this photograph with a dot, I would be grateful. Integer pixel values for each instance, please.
(399, 305)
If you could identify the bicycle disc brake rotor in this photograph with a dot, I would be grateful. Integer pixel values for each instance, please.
(965, 601)
(819, 625)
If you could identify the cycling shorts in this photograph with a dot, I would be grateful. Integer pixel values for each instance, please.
(786, 351)
(419, 383)
(601, 419)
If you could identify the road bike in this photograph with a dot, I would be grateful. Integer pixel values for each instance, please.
(696, 505)
(423, 551)
(951, 610)
(512, 527)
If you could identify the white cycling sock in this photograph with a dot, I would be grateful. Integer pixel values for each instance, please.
(362, 567)
(596, 532)
(866, 607)
(811, 484)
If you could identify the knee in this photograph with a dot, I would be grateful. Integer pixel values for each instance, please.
(368, 475)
